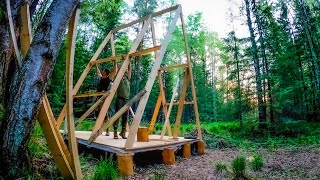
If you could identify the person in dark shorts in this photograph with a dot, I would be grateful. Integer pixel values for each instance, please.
(105, 83)
(123, 94)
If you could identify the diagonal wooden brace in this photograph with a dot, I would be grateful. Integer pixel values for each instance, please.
(116, 116)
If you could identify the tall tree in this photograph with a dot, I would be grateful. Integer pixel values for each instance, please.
(23, 93)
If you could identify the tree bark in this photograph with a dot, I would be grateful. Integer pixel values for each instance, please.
(261, 104)
(29, 86)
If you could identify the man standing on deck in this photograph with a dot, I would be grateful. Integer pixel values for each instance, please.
(105, 83)
(123, 94)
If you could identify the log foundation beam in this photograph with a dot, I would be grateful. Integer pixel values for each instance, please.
(200, 147)
(125, 164)
(168, 156)
(186, 150)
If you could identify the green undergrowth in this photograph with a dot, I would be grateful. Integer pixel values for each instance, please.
(288, 134)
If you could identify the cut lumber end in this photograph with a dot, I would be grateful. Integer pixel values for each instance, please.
(200, 147)
(125, 164)
(168, 156)
(143, 135)
(186, 151)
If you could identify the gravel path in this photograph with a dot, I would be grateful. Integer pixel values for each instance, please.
(278, 164)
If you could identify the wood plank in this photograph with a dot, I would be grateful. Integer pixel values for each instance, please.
(111, 120)
(145, 18)
(118, 78)
(177, 103)
(167, 120)
(25, 35)
(173, 67)
(13, 34)
(163, 101)
(181, 103)
(194, 96)
(92, 108)
(150, 81)
(155, 115)
(89, 95)
(83, 76)
(71, 40)
(132, 55)
(113, 50)
(58, 150)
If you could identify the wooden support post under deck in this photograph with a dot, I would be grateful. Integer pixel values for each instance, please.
(125, 164)
(73, 145)
(186, 151)
(200, 147)
(168, 156)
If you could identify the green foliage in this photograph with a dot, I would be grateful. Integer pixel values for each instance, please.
(239, 167)
(159, 175)
(257, 162)
(220, 166)
(2, 111)
(106, 170)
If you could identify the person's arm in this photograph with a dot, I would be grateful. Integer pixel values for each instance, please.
(129, 71)
(98, 71)
(114, 70)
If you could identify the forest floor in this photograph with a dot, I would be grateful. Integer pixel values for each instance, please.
(278, 164)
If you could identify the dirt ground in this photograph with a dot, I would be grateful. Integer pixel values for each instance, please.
(278, 164)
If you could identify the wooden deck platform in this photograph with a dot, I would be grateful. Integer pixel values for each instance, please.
(108, 144)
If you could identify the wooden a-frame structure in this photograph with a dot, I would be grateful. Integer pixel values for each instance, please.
(68, 160)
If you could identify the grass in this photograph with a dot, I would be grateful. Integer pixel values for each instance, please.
(289, 134)
(239, 167)
(106, 170)
(257, 162)
(220, 166)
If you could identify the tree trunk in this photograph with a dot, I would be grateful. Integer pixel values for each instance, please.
(261, 104)
(29, 86)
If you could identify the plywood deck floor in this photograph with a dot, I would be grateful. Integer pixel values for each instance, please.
(107, 143)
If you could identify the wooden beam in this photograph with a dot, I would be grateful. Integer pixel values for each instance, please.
(92, 108)
(132, 55)
(163, 101)
(194, 96)
(73, 146)
(177, 103)
(173, 67)
(13, 34)
(150, 81)
(25, 35)
(167, 120)
(83, 76)
(57, 147)
(124, 109)
(89, 95)
(181, 103)
(145, 18)
(155, 115)
(113, 50)
(118, 78)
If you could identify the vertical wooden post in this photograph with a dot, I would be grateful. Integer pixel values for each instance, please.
(194, 96)
(200, 147)
(164, 101)
(125, 164)
(72, 32)
(181, 103)
(13, 34)
(168, 156)
(155, 115)
(25, 36)
(167, 121)
(150, 81)
(186, 151)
